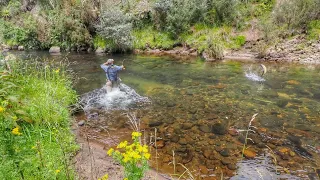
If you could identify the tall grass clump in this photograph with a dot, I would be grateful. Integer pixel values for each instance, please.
(35, 137)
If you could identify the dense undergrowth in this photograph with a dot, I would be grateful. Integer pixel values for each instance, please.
(35, 137)
(118, 26)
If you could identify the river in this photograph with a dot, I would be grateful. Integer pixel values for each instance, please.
(201, 112)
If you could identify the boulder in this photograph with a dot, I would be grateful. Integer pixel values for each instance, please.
(20, 48)
(100, 50)
(54, 49)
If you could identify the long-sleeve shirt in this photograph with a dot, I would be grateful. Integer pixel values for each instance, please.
(111, 71)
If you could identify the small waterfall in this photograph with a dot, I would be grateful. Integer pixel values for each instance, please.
(121, 98)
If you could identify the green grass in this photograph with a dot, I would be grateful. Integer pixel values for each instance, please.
(35, 98)
(153, 38)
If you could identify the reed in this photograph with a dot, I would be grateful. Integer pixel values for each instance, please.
(250, 129)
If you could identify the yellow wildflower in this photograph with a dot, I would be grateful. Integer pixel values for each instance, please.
(15, 131)
(33, 147)
(139, 148)
(136, 134)
(14, 118)
(147, 155)
(57, 171)
(145, 149)
(122, 144)
(110, 151)
(105, 177)
(57, 71)
(2, 109)
(125, 179)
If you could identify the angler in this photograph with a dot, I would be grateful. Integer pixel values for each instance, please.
(112, 71)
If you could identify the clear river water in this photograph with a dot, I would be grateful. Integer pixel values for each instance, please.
(200, 111)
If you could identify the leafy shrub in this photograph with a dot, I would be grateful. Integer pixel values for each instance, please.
(240, 40)
(152, 39)
(24, 34)
(223, 11)
(116, 28)
(12, 9)
(296, 13)
(99, 41)
(176, 16)
(314, 30)
(160, 12)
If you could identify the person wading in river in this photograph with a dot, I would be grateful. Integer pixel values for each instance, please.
(112, 74)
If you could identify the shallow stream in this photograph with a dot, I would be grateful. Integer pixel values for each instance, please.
(201, 110)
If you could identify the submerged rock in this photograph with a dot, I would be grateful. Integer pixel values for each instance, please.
(249, 154)
(155, 123)
(219, 129)
(205, 128)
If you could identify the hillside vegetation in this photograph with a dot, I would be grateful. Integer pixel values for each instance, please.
(209, 26)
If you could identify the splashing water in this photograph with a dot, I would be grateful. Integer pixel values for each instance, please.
(252, 72)
(119, 99)
(253, 77)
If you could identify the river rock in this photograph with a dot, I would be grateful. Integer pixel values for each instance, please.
(183, 141)
(81, 123)
(203, 169)
(232, 166)
(155, 123)
(249, 154)
(225, 161)
(175, 139)
(159, 144)
(219, 129)
(100, 50)
(20, 48)
(225, 152)
(206, 153)
(54, 49)
(14, 47)
(186, 126)
(205, 128)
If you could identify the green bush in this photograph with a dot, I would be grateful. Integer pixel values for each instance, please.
(24, 34)
(152, 38)
(240, 40)
(11, 9)
(116, 28)
(296, 13)
(65, 31)
(314, 30)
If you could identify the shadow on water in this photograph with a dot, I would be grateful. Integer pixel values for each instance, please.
(199, 109)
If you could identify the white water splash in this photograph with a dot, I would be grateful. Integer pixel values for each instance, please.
(121, 98)
(253, 77)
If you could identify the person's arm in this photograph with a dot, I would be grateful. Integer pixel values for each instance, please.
(104, 67)
(120, 67)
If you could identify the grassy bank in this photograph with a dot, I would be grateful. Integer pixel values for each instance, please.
(35, 137)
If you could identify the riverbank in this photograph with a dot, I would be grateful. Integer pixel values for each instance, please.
(295, 50)
(35, 137)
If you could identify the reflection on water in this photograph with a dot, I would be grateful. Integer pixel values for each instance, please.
(198, 108)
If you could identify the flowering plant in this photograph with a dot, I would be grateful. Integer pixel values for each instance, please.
(133, 157)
